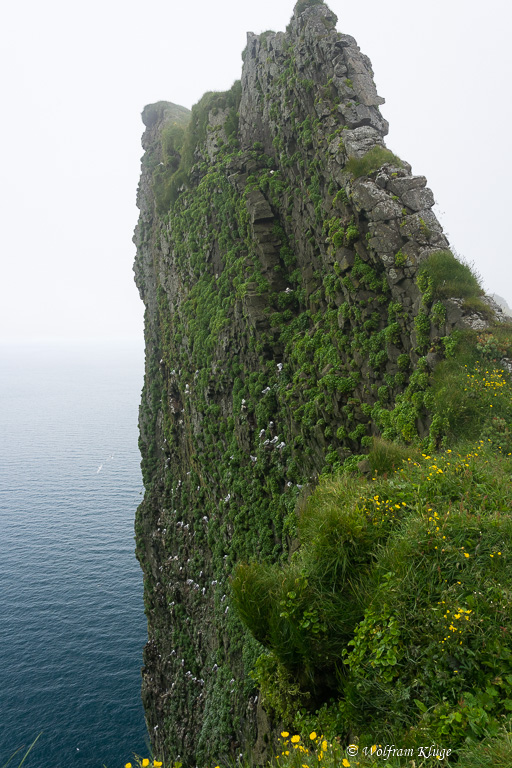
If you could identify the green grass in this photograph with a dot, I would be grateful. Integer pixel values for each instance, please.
(399, 597)
(17, 752)
(449, 277)
(371, 161)
(442, 276)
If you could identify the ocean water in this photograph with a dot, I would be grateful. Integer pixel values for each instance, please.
(72, 624)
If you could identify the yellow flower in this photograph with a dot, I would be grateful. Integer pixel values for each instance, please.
(128, 765)
(145, 763)
(345, 763)
(466, 554)
(374, 748)
(324, 746)
(285, 734)
(157, 763)
(312, 735)
(295, 739)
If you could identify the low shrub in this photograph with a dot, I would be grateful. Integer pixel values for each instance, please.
(404, 582)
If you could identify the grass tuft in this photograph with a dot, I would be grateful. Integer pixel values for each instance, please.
(29, 750)
(449, 278)
(374, 159)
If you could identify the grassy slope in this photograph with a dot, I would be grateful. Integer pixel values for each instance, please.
(392, 621)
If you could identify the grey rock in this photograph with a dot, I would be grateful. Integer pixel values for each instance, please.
(364, 466)
(418, 199)
(345, 259)
(399, 185)
(258, 207)
(215, 132)
(366, 194)
(385, 238)
(346, 40)
(493, 305)
(366, 90)
(322, 108)
(421, 226)
(433, 359)
(340, 70)
(395, 275)
(476, 322)
(334, 146)
(359, 141)
(385, 211)
(501, 302)
(357, 115)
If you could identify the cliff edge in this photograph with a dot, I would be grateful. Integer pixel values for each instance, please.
(287, 261)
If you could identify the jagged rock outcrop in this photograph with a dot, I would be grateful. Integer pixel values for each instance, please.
(278, 247)
(502, 303)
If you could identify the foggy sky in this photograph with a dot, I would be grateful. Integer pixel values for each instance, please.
(77, 76)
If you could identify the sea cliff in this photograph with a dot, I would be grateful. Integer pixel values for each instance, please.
(287, 261)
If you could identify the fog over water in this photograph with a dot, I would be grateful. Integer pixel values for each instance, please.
(72, 624)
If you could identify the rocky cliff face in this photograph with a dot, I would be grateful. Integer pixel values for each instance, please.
(278, 248)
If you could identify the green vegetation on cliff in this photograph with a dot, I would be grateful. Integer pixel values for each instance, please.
(392, 620)
(322, 377)
(371, 161)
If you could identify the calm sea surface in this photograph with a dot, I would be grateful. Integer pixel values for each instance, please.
(72, 622)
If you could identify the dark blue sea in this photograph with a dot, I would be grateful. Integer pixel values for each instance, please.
(72, 624)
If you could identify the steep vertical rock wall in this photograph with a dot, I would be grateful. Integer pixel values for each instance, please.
(277, 250)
